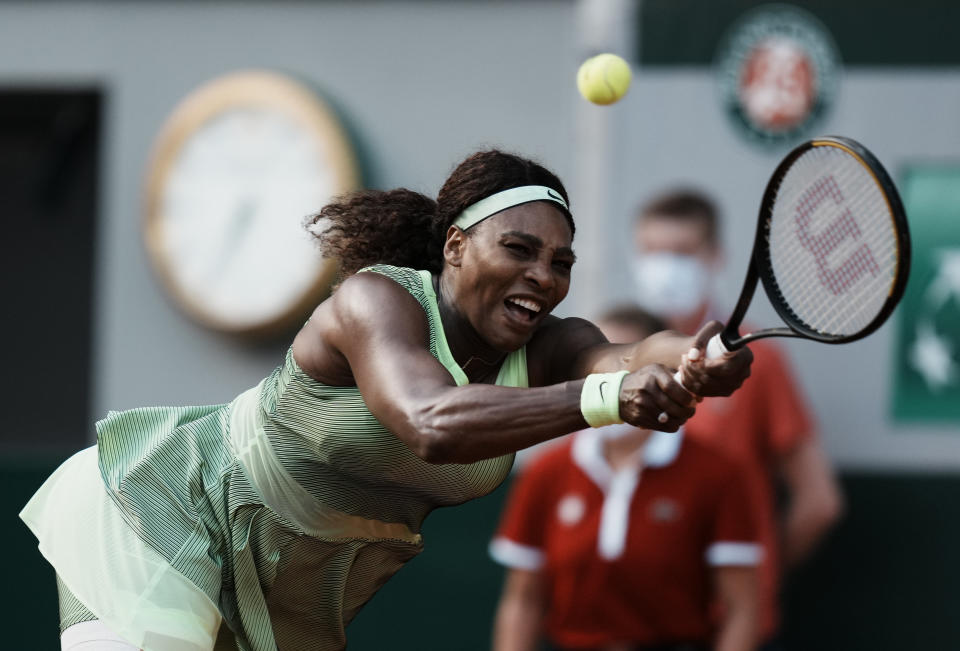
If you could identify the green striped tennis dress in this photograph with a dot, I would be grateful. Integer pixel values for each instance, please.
(287, 508)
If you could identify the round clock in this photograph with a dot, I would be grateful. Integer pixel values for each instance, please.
(236, 169)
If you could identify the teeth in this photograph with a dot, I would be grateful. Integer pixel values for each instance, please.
(522, 302)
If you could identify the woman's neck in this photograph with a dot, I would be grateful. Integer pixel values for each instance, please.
(478, 359)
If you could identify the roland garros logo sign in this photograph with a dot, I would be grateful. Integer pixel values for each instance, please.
(778, 70)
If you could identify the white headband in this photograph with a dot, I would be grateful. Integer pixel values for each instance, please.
(507, 199)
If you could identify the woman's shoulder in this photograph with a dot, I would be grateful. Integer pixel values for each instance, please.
(372, 285)
(366, 307)
(383, 293)
(410, 279)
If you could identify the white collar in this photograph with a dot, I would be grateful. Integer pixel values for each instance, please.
(660, 450)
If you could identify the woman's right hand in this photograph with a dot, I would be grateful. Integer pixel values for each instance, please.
(651, 391)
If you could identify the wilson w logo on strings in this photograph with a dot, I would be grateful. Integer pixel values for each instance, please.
(836, 278)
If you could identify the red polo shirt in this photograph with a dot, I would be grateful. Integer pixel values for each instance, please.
(627, 555)
(757, 426)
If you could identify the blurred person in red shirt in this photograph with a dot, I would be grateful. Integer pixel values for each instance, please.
(619, 538)
(766, 425)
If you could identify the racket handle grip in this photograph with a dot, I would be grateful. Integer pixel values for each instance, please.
(715, 348)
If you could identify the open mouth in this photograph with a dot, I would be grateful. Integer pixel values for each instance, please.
(523, 309)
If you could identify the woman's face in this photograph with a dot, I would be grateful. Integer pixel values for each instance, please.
(512, 270)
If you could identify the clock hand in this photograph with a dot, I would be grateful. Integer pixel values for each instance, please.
(237, 230)
(242, 218)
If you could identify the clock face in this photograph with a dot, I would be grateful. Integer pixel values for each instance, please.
(241, 164)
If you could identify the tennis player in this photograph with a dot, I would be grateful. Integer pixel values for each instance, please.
(281, 513)
(623, 539)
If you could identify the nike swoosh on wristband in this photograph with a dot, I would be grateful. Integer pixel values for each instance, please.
(600, 387)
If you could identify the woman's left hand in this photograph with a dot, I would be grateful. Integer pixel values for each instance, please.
(714, 377)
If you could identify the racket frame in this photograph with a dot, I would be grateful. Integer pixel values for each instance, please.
(761, 268)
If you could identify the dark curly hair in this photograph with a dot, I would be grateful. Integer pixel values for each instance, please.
(407, 229)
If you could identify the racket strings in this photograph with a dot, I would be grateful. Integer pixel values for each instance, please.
(857, 308)
(832, 243)
(844, 318)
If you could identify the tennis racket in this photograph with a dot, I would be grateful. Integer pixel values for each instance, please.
(832, 247)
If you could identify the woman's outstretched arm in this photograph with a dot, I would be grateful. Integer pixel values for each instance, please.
(582, 349)
(374, 334)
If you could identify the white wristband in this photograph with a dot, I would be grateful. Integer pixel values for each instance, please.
(600, 398)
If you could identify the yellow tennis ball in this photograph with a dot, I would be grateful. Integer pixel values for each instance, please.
(603, 79)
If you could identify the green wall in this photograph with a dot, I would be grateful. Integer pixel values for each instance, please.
(876, 33)
(29, 601)
(889, 576)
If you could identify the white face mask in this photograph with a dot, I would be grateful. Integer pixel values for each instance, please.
(670, 284)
